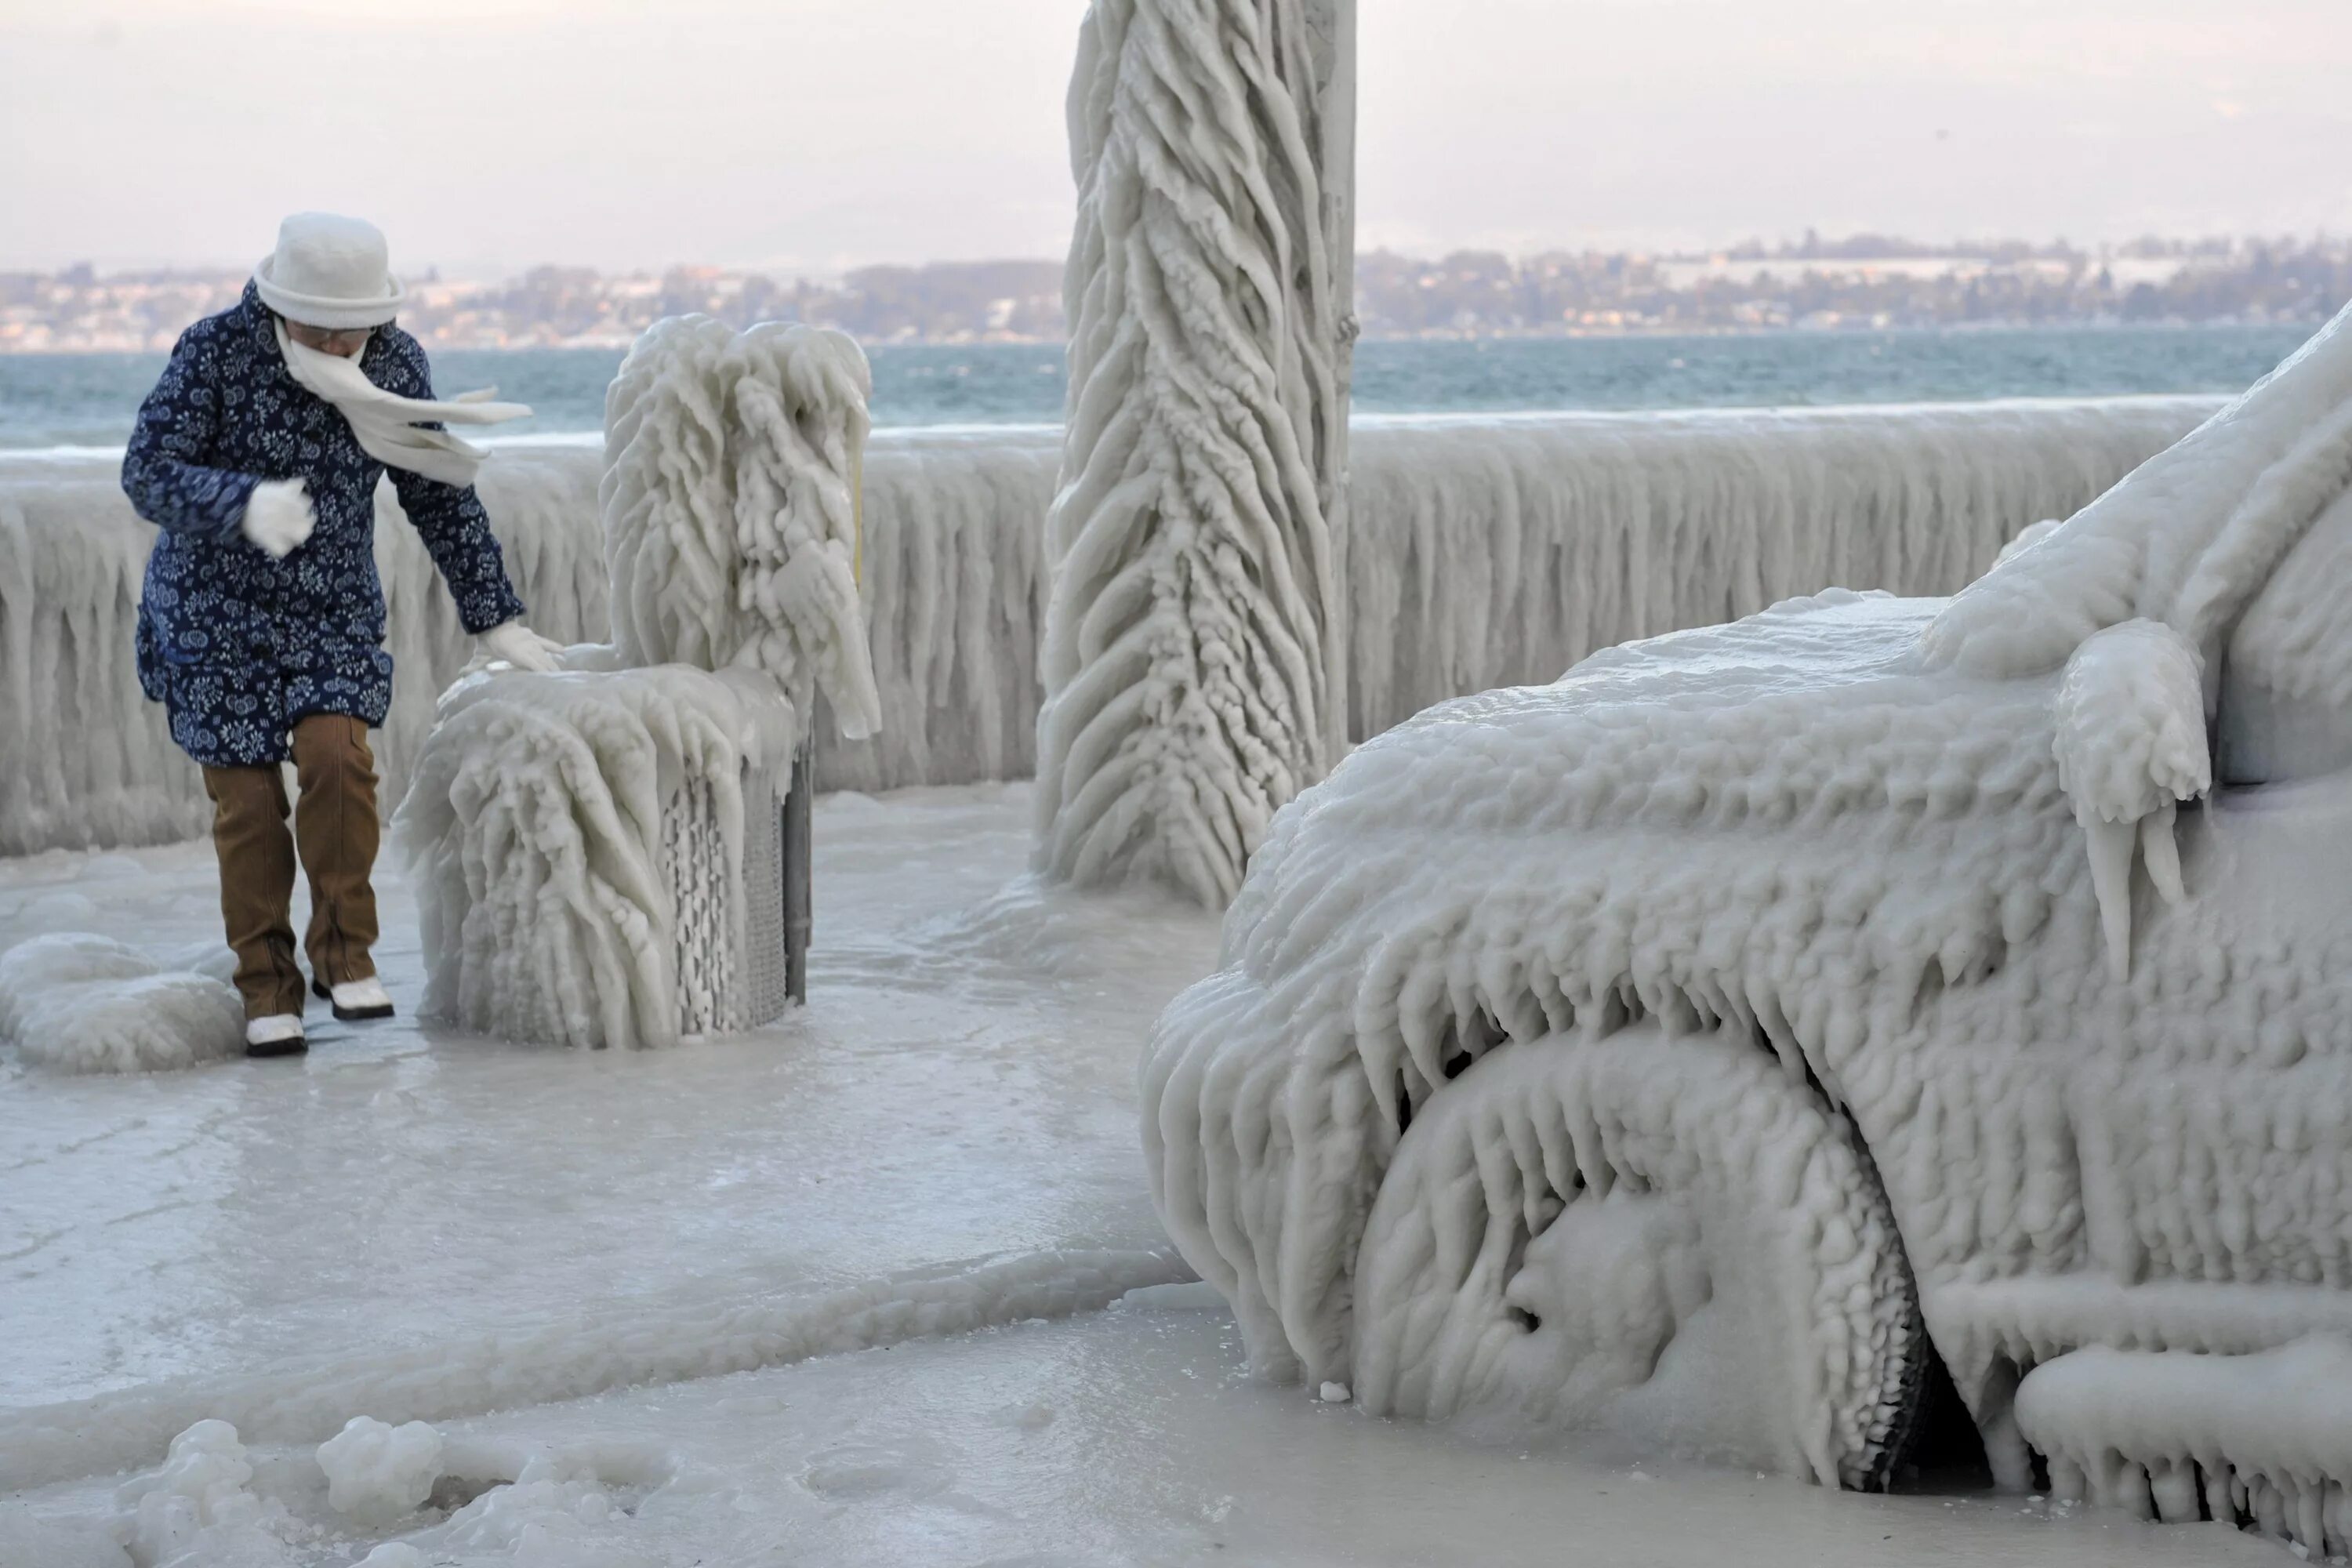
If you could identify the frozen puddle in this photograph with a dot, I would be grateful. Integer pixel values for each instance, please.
(795, 1275)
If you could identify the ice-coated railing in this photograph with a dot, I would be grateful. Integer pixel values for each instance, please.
(1482, 551)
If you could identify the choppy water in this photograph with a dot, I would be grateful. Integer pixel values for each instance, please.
(47, 400)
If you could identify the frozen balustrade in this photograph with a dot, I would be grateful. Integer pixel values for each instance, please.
(1481, 552)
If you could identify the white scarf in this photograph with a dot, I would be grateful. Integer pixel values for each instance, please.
(386, 422)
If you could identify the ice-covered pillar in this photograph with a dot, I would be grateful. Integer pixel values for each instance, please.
(1194, 650)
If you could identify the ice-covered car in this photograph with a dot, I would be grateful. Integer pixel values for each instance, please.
(1729, 1041)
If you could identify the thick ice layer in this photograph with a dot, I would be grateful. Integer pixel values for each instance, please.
(1483, 552)
(730, 508)
(196, 1510)
(1194, 657)
(535, 833)
(2189, 539)
(1859, 854)
(1863, 867)
(85, 760)
(376, 1471)
(1644, 1210)
(2265, 1438)
(73, 1002)
(309, 1400)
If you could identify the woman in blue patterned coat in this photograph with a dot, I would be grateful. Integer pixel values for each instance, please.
(261, 627)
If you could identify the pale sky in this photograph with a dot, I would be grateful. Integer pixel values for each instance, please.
(807, 135)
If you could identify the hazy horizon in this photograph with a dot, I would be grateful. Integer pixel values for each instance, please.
(490, 135)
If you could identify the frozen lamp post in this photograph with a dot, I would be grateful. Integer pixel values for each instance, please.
(1193, 658)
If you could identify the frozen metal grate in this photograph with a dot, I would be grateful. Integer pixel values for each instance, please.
(725, 983)
(764, 994)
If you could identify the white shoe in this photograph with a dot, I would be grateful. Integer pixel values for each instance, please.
(356, 999)
(279, 1035)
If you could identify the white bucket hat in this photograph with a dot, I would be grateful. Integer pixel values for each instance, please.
(329, 271)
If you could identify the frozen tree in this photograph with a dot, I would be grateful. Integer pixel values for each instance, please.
(1193, 654)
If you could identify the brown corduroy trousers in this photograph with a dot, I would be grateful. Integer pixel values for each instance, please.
(335, 826)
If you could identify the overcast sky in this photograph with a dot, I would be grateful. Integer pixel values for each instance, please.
(485, 135)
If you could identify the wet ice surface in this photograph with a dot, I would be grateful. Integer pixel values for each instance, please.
(962, 1085)
(1129, 1438)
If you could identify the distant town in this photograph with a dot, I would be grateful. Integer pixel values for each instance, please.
(1860, 281)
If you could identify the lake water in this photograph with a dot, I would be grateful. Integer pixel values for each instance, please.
(50, 400)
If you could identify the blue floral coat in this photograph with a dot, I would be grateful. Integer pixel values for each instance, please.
(237, 646)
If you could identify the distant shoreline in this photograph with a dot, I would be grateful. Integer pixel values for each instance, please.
(61, 400)
(1500, 335)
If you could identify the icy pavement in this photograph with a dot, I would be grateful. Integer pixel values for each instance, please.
(415, 1222)
(962, 1086)
(1125, 1437)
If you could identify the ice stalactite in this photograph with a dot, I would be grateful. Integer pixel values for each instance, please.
(1194, 658)
(2263, 1439)
(2131, 747)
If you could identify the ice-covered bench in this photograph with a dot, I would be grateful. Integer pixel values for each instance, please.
(599, 854)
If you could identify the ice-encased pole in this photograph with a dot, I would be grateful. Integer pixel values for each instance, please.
(1193, 642)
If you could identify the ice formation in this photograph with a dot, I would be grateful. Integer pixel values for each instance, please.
(2263, 1438)
(308, 1401)
(730, 502)
(27, 1542)
(536, 828)
(587, 839)
(1827, 864)
(75, 1002)
(201, 1491)
(1195, 651)
(376, 1471)
(1484, 552)
(86, 761)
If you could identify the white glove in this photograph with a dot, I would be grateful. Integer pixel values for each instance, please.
(513, 643)
(278, 516)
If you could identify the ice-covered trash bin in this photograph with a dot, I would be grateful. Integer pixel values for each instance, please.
(595, 854)
(599, 854)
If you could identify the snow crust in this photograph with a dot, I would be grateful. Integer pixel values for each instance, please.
(1484, 552)
(534, 830)
(1841, 836)
(1194, 657)
(75, 1001)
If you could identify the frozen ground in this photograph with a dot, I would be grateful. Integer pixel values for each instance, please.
(415, 1222)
